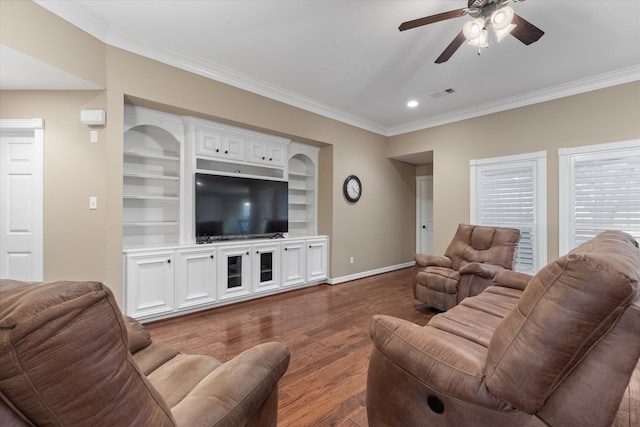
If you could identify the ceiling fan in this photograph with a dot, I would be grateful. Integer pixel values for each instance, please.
(493, 20)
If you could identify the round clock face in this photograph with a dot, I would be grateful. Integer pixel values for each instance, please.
(352, 188)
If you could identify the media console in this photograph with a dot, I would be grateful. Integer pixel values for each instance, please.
(175, 280)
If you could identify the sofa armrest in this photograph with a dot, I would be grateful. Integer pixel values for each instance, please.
(232, 393)
(512, 279)
(486, 271)
(425, 260)
(444, 362)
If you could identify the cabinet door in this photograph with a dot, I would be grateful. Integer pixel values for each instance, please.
(276, 154)
(265, 152)
(233, 146)
(234, 271)
(150, 284)
(256, 150)
(196, 278)
(293, 262)
(208, 142)
(316, 259)
(266, 267)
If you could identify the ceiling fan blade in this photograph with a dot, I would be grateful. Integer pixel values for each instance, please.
(525, 31)
(451, 49)
(431, 19)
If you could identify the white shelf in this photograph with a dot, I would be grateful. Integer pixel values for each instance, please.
(151, 181)
(151, 224)
(151, 176)
(151, 156)
(145, 197)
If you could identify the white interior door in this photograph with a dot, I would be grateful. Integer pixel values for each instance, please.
(21, 158)
(424, 214)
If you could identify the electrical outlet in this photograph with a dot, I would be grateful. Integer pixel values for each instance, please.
(351, 260)
(93, 136)
(93, 202)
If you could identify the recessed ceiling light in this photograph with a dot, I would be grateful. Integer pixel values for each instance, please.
(412, 104)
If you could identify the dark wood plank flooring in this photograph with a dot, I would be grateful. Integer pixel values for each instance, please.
(327, 330)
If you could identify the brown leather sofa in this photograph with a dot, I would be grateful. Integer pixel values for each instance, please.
(555, 349)
(69, 358)
(468, 266)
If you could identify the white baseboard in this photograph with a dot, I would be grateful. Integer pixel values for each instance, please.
(337, 280)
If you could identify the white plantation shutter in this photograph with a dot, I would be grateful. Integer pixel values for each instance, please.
(600, 190)
(511, 192)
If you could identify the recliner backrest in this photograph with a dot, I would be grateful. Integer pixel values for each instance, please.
(564, 311)
(476, 243)
(64, 358)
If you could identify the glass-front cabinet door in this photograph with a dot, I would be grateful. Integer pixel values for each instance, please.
(234, 270)
(266, 266)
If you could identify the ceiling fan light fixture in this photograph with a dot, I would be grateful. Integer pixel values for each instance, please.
(501, 34)
(473, 29)
(481, 41)
(501, 18)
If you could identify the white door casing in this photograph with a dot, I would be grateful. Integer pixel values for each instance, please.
(424, 214)
(21, 199)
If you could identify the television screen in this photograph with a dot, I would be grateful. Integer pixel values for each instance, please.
(233, 207)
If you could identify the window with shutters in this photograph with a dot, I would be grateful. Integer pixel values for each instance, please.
(599, 190)
(511, 191)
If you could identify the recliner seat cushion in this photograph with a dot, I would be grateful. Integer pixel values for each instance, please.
(440, 279)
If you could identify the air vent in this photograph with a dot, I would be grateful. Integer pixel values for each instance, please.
(442, 93)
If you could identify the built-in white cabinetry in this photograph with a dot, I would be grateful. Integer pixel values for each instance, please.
(187, 278)
(266, 152)
(266, 267)
(150, 283)
(152, 152)
(217, 143)
(293, 262)
(316, 259)
(196, 274)
(234, 271)
(303, 160)
(166, 272)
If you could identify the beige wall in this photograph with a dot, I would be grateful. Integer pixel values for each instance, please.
(74, 170)
(601, 116)
(378, 231)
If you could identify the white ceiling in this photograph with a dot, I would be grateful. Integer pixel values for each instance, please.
(347, 60)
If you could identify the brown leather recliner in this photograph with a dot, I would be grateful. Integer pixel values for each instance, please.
(468, 266)
(69, 358)
(555, 349)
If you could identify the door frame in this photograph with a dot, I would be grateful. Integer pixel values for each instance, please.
(419, 181)
(33, 127)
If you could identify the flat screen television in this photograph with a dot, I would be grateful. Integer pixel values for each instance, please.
(229, 207)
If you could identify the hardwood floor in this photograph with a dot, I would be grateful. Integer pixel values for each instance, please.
(327, 330)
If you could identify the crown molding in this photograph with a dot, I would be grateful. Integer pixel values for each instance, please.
(614, 78)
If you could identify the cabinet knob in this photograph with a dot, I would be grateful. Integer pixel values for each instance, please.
(247, 252)
(217, 150)
(286, 249)
(211, 256)
(226, 151)
(168, 261)
(264, 158)
(270, 159)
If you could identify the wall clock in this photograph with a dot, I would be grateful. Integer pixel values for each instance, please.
(352, 188)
